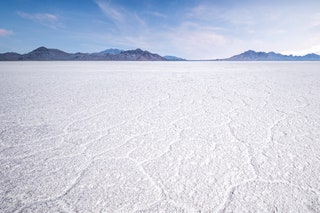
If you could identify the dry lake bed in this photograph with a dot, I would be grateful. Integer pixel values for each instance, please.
(159, 137)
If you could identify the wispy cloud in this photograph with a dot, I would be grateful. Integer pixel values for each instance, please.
(315, 20)
(125, 21)
(194, 40)
(4, 32)
(47, 19)
(157, 14)
(111, 12)
(208, 14)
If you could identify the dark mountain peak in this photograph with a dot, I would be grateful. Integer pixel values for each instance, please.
(45, 54)
(111, 51)
(136, 51)
(46, 50)
(139, 55)
(139, 50)
(249, 52)
(249, 55)
(39, 50)
(42, 48)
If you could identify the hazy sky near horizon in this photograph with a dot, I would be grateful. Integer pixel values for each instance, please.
(192, 29)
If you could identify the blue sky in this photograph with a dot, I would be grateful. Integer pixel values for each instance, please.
(193, 29)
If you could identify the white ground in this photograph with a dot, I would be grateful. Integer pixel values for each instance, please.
(159, 137)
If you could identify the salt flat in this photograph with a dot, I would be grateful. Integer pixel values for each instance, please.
(159, 136)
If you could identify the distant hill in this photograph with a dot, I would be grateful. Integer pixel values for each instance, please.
(173, 58)
(45, 54)
(10, 56)
(251, 55)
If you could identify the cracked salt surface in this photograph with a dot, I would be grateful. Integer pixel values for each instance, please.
(159, 137)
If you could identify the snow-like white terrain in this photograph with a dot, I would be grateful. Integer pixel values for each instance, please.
(159, 136)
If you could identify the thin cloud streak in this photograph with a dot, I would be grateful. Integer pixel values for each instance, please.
(47, 19)
(38, 16)
(4, 32)
(110, 12)
(195, 40)
(156, 14)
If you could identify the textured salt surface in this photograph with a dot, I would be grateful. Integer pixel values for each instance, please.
(152, 136)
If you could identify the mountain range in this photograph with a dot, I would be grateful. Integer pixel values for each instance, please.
(251, 55)
(45, 54)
